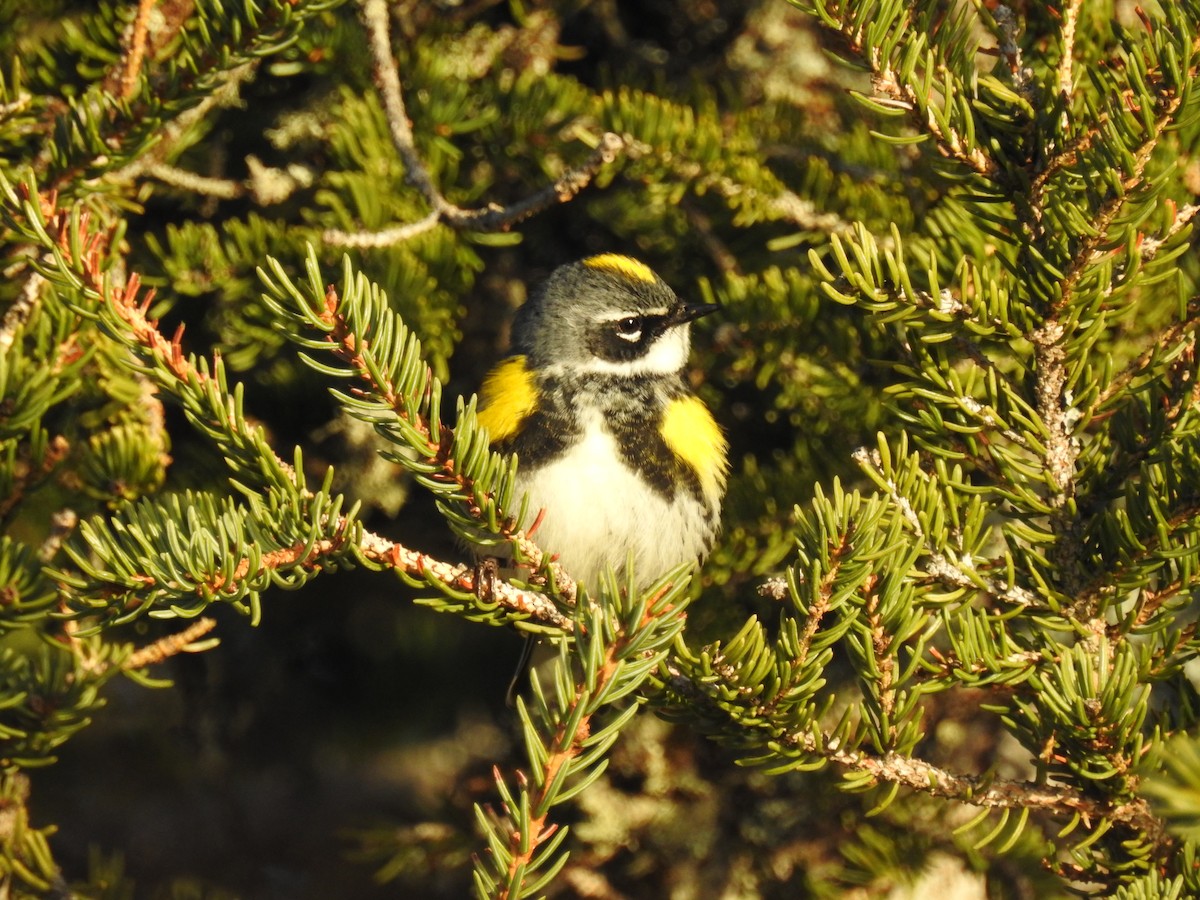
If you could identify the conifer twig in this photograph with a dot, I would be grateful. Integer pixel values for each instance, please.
(574, 737)
(18, 314)
(131, 306)
(891, 90)
(1066, 63)
(919, 775)
(493, 217)
(955, 572)
(170, 645)
(976, 790)
(135, 49)
(62, 523)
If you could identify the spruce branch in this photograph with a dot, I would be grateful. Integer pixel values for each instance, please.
(135, 49)
(956, 570)
(186, 641)
(20, 311)
(399, 396)
(906, 83)
(976, 790)
(1066, 62)
(79, 251)
(375, 18)
(620, 642)
(892, 768)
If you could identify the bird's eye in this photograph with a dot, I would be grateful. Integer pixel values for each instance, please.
(629, 328)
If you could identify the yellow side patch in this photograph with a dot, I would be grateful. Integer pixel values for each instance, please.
(508, 398)
(692, 435)
(622, 265)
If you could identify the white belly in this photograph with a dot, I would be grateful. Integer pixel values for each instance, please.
(598, 512)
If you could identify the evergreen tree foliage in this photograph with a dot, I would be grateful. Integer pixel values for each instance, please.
(257, 257)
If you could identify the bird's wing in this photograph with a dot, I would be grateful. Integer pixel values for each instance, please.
(507, 399)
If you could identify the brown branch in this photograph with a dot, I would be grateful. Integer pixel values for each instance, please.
(919, 775)
(493, 217)
(881, 648)
(135, 49)
(349, 348)
(1138, 366)
(131, 308)
(1066, 64)
(568, 746)
(171, 645)
(779, 590)
(977, 790)
(1069, 155)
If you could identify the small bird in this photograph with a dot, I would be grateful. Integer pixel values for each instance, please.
(620, 457)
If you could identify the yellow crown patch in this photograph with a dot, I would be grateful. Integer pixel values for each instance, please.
(622, 265)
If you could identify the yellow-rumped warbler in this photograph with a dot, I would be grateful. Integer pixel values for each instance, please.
(620, 456)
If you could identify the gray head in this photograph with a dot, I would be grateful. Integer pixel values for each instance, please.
(606, 313)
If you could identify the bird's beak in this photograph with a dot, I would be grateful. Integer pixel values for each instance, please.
(689, 312)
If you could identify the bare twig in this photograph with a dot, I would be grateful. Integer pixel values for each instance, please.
(977, 790)
(135, 49)
(171, 645)
(226, 94)
(218, 188)
(1066, 63)
(18, 314)
(62, 523)
(493, 217)
(373, 239)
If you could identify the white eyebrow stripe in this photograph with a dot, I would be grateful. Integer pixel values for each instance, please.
(632, 314)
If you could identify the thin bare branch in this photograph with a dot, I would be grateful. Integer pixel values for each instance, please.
(1066, 63)
(977, 790)
(171, 645)
(135, 49)
(493, 217)
(18, 314)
